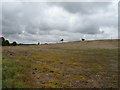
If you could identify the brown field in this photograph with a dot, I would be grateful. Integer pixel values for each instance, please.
(80, 64)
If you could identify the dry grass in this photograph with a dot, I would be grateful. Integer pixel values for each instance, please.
(84, 64)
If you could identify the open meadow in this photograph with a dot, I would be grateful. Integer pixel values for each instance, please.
(80, 64)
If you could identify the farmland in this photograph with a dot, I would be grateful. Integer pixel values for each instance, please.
(80, 64)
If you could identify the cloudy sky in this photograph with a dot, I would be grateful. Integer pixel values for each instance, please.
(32, 22)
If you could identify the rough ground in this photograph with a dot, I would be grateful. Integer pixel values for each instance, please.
(82, 64)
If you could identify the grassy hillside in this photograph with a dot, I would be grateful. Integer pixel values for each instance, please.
(82, 64)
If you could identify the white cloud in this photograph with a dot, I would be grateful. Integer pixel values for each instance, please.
(32, 22)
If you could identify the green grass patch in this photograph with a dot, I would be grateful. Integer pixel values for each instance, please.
(14, 73)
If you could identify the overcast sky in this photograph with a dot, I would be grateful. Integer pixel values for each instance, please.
(32, 22)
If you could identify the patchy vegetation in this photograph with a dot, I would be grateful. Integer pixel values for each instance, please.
(65, 65)
(15, 73)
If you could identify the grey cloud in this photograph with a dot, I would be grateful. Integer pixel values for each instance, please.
(91, 30)
(33, 22)
(83, 7)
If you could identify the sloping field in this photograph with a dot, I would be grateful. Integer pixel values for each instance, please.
(81, 64)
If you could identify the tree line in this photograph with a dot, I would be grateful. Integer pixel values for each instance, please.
(5, 42)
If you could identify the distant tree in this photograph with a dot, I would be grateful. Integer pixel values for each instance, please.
(14, 43)
(83, 39)
(62, 40)
(0, 41)
(6, 42)
(3, 41)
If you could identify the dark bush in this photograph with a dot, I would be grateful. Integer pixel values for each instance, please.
(6, 43)
(14, 43)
